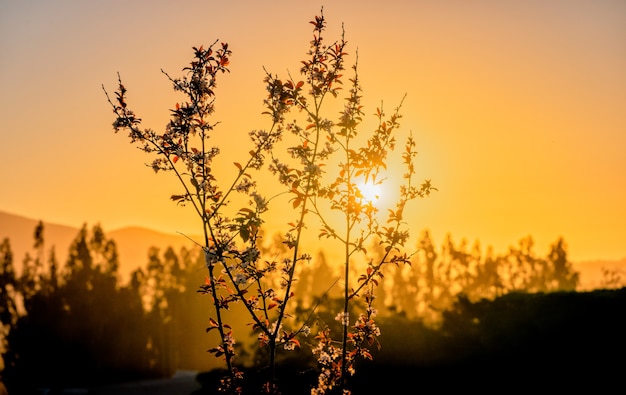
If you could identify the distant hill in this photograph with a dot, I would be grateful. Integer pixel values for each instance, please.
(132, 242)
(591, 272)
(20, 231)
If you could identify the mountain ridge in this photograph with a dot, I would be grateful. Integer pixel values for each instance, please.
(133, 242)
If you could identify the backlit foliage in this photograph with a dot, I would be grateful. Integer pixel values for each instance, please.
(299, 151)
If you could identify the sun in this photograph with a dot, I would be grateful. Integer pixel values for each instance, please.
(371, 191)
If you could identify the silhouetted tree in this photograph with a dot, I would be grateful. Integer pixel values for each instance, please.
(564, 278)
(436, 280)
(308, 286)
(78, 327)
(613, 278)
(488, 284)
(8, 285)
(401, 296)
(165, 284)
(8, 289)
(425, 267)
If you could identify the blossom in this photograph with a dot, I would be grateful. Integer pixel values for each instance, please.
(251, 254)
(210, 257)
(306, 331)
(261, 203)
(343, 317)
(324, 358)
(272, 329)
(245, 185)
(336, 352)
(240, 279)
(313, 169)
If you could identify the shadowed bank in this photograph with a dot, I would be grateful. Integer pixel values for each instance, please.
(519, 342)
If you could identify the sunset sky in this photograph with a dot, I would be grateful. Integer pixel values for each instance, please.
(518, 108)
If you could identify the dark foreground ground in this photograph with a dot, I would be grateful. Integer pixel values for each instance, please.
(182, 383)
(525, 343)
(404, 380)
(520, 343)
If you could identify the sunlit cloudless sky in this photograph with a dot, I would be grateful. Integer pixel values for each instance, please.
(518, 108)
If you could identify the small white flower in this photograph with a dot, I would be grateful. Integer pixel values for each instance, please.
(240, 279)
(261, 203)
(343, 317)
(324, 358)
(210, 257)
(372, 312)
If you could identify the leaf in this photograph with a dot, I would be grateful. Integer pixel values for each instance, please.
(244, 233)
(238, 165)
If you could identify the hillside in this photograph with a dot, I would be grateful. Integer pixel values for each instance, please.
(132, 242)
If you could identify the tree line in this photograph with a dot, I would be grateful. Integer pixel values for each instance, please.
(77, 324)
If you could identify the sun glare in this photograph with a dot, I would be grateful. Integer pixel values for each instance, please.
(370, 191)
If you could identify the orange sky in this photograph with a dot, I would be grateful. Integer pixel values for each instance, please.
(518, 108)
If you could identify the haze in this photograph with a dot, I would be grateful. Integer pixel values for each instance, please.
(518, 108)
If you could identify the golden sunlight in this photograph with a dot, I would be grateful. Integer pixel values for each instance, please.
(371, 191)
